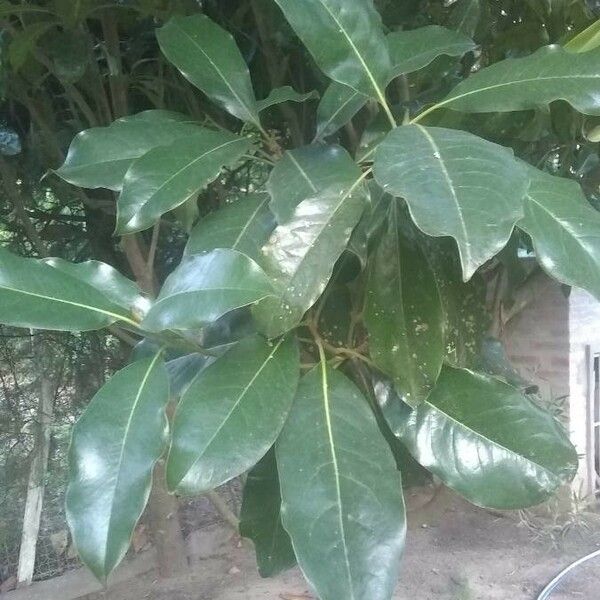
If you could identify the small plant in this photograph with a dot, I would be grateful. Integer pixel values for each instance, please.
(344, 293)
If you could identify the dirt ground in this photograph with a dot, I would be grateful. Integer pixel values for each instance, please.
(453, 552)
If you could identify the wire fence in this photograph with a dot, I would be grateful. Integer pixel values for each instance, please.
(55, 553)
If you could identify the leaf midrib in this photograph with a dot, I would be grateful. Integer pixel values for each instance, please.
(512, 83)
(342, 106)
(489, 440)
(438, 156)
(336, 470)
(116, 316)
(249, 222)
(556, 219)
(122, 452)
(158, 190)
(220, 74)
(241, 396)
(342, 29)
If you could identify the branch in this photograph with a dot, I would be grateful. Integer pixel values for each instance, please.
(10, 186)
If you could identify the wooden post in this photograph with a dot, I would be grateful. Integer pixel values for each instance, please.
(37, 475)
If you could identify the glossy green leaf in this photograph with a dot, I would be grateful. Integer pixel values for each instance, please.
(465, 17)
(100, 157)
(373, 134)
(337, 107)
(415, 49)
(403, 313)
(244, 225)
(346, 40)
(487, 441)
(23, 42)
(187, 214)
(341, 494)
(466, 320)
(588, 39)
(565, 230)
(231, 414)
(513, 84)
(69, 52)
(335, 314)
(301, 254)
(305, 172)
(35, 294)
(285, 94)
(183, 370)
(168, 176)
(494, 360)
(107, 280)
(366, 231)
(204, 287)
(409, 51)
(114, 448)
(455, 184)
(208, 57)
(385, 394)
(260, 518)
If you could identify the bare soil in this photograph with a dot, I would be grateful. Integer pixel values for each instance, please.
(454, 552)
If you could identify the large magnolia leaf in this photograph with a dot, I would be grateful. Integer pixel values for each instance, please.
(466, 320)
(100, 157)
(204, 287)
(409, 51)
(231, 414)
(588, 39)
(465, 16)
(549, 74)
(244, 225)
(208, 56)
(486, 440)
(115, 446)
(346, 40)
(403, 313)
(285, 94)
(565, 230)
(456, 184)
(168, 176)
(260, 518)
(33, 293)
(341, 494)
(107, 280)
(415, 49)
(305, 172)
(301, 254)
(337, 107)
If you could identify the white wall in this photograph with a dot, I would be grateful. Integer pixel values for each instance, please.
(584, 329)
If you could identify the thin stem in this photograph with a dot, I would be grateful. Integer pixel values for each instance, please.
(152, 250)
(386, 108)
(270, 141)
(428, 111)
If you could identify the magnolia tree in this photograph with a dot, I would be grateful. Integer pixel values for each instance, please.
(348, 285)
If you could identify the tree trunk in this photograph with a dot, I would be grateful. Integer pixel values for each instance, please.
(162, 513)
(165, 529)
(37, 475)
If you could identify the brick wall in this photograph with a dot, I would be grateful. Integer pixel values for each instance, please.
(537, 339)
(547, 343)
